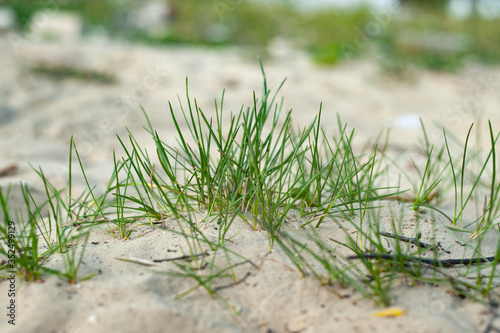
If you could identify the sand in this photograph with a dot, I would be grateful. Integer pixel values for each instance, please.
(39, 115)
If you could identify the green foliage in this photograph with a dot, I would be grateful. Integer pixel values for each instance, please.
(434, 4)
(255, 167)
(329, 35)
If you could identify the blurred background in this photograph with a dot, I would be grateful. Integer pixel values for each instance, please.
(87, 69)
(434, 34)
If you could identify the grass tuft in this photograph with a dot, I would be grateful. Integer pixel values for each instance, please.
(256, 167)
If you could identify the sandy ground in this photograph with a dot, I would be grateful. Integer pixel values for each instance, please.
(38, 115)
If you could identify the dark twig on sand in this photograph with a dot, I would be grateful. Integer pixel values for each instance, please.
(414, 240)
(433, 262)
(234, 283)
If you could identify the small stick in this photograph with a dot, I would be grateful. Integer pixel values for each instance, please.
(146, 262)
(414, 241)
(293, 270)
(234, 283)
(187, 257)
(433, 262)
(137, 261)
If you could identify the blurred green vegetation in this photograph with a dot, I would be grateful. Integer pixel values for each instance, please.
(93, 11)
(426, 37)
(426, 4)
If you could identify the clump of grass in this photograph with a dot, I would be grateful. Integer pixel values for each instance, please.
(47, 219)
(62, 72)
(20, 241)
(261, 175)
(259, 168)
(383, 267)
(256, 170)
(21, 238)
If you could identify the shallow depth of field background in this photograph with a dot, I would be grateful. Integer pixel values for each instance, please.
(434, 34)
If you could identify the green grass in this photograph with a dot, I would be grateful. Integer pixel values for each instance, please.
(257, 167)
(45, 220)
(61, 72)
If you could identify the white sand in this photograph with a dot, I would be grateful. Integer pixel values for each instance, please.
(40, 115)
